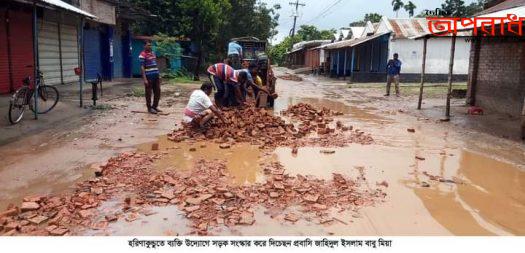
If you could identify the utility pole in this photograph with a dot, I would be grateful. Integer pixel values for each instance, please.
(295, 14)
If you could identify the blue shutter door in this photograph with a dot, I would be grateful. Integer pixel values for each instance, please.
(126, 53)
(118, 62)
(92, 53)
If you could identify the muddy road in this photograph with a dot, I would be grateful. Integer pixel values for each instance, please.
(443, 177)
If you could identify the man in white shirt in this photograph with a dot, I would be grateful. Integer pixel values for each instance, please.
(200, 109)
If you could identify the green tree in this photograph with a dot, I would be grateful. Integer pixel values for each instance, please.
(410, 8)
(209, 24)
(248, 18)
(397, 5)
(310, 32)
(475, 7)
(167, 45)
(277, 53)
(163, 17)
(454, 8)
(372, 17)
(306, 32)
(201, 20)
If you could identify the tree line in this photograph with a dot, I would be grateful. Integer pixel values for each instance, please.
(210, 24)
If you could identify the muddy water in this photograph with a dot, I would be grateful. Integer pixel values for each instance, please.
(242, 160)
(491, 200)
(52, 161)
(166, 221)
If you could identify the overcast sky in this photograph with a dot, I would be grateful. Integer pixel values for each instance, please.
(341, 14)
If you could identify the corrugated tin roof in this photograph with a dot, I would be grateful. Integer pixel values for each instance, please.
(352, 42)
(508, 4)
(404, 28)
(375, 25)
(368, 29)
(310, 43)
(519, 11)
(345, 32)
(69, 7)
(357, 31)
(246, 38)
(414, 28)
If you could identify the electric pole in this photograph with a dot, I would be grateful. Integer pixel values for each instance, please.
(295, 14)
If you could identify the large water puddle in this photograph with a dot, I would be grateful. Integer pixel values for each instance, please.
(486, 197)
(242, 160)
(479, 196)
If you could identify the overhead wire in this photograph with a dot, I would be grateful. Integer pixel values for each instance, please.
(324, 12)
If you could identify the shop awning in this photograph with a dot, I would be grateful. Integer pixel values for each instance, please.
(69, 7)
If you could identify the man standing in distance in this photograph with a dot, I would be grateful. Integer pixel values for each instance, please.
(151, 77)
(393, 69)
(235, 54)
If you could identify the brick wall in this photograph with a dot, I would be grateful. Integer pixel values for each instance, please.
(499, 82)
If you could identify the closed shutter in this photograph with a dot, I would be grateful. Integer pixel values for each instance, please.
(92, 53)
(69, 44)
(21, 35)
(48, 49)
(118, 62)
(4, 62)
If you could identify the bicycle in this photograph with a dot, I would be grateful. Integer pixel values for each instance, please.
(48, 98)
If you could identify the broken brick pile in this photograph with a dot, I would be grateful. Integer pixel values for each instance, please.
(205, 194)
(207, 197)
(260, 127)
(55, 215)
(320, 121)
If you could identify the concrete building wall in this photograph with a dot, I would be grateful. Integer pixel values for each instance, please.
(498, 83)
(104, 11)
(438, 55)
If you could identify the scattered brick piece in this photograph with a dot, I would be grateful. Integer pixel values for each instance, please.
(225, 146)
(246, 218)
(111, 218)
(59, 231)
(29, 206)
(155, 146)
(291, 217)
(38, 219)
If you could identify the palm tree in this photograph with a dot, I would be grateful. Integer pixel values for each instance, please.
(397, 5)
(410, 7)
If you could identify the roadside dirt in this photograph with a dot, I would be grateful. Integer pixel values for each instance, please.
(442, 178)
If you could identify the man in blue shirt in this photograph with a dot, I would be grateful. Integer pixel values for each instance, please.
(393, 69)
(235, 54)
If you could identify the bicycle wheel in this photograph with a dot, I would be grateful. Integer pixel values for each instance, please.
(47, 99)
(17, 105)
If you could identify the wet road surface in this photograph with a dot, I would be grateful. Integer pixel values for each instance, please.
(481, 192)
